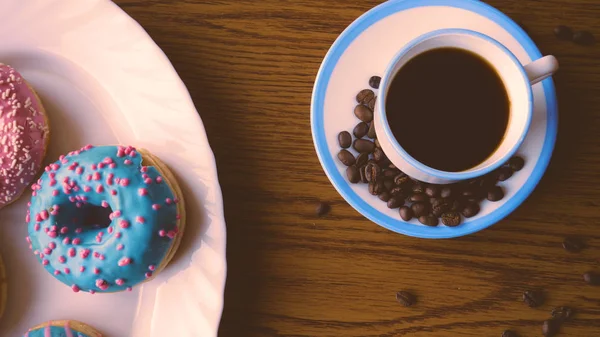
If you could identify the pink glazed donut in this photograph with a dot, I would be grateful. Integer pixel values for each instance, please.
(24, 134)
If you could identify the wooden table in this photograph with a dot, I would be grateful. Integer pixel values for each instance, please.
(250, 67)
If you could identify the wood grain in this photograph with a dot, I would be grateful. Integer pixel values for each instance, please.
(250, 66)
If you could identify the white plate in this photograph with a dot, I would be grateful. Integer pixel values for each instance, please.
(104, 81)
(377, 36)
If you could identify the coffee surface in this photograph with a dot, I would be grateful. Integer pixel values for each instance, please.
(448, 108)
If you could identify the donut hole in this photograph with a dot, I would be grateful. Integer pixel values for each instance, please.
(95, 217)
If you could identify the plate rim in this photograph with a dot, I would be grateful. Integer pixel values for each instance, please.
(320, 142)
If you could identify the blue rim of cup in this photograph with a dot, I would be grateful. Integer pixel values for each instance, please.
(451, 176)
(343, 186)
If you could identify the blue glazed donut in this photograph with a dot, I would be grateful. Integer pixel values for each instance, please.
(68, 229)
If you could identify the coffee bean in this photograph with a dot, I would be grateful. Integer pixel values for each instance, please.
(346, 158)
(419, 197)
(562, 313)
(360, 130)
(389, 184)
(390, 173)
(401, 179)
(392, 167)
(397, 191)
(405, 298)
(573, 244)
(353, 174)
(592, 278)
(563, 32)
(364, 96)
(551, 327)
(533, 298)
(470, 210)
(432, 190)
(384, 196)
(440, 208)
(495, 194)
(363, 113)
(344, 139)
(420, 208)
(418, 187)
(322, 209)
(376, 187)
(374, 82)
(372, 172)
(516, 163)
(446, 192)
(429, 220)
(406, 213)
(371, 133)
(584, 38)
(363, 146)
(457, 205)
(363, 177)
(371, 103)
(451, 219)
(378, 155)
(504, 173)
(377, 145)
(362, 159)
(395, 202)
(509, 333)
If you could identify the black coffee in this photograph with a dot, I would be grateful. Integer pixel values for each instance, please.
(448, 108)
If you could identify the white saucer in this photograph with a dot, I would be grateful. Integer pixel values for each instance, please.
(365, 48)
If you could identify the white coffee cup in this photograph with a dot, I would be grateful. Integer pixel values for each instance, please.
(517, 80)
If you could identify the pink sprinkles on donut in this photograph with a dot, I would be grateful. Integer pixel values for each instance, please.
(150, 206)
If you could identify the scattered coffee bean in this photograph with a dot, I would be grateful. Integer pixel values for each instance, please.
(397, 192)
(457, 205)
(389, 184)
(362, 159)
(563, 32)
(584, 38)
(384, 196)
(371, 103)
(470, 210)
(405, 298)
(419, 197)
(395, 202)
(562, 313)
(390, 173)
(551, 327)
(376, 141)
(440, 207)
(592, 278)
(378, 155)
(573, 244)
(432, 190)
(429, 220)
(406, 213)
(533, 298)
(363, 113)
(495, 194)
(363, 146)
(509, 333)
(346, 158)
(446, 192)
(322, 209)
(372, 172)
(451, 219)
(364, 96)
(418, 187)
(374, 82)
(371, 133)
(360, 130)
(363, 177)
(344, 139)
(352, 174)
(471, 192)
(376, 187)
(504, 173)
(516, 163)
(402, 179)
(420, 209)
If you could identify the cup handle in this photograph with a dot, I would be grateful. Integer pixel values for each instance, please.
(541, 69)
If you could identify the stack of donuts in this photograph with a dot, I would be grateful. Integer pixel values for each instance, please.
(100, 219)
